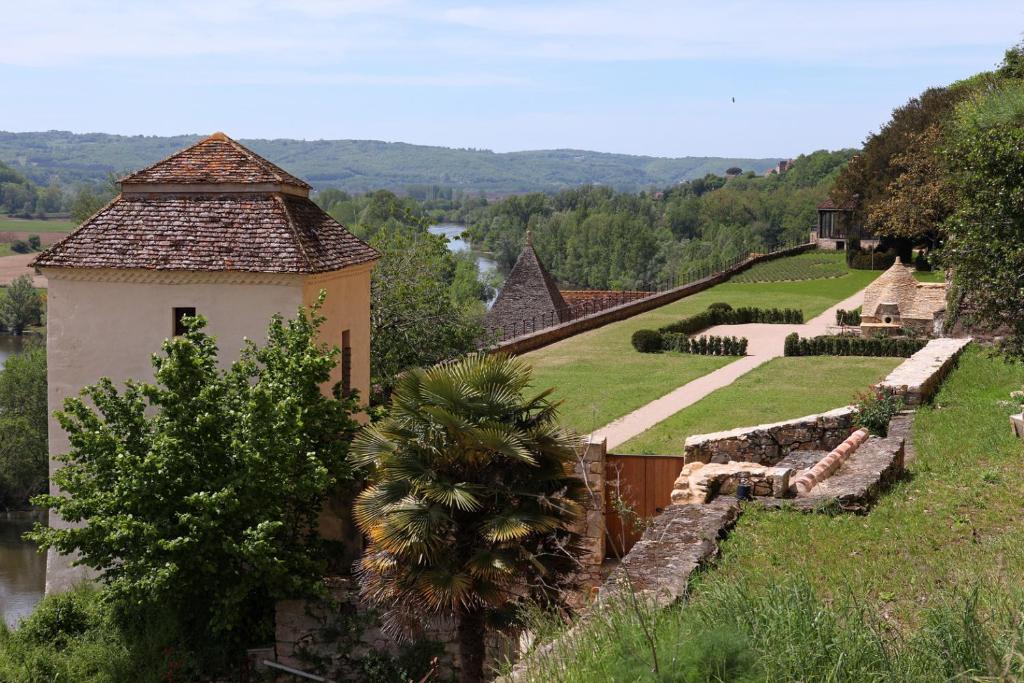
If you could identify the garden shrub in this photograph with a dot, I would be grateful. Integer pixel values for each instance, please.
(844, 317)
(21, 247)
(848, 345)
(35, 243)
(874, 412)
(717, 314)
(866, 260)
(921, 262)
(648, 341)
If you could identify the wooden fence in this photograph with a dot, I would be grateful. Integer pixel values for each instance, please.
(637, 487)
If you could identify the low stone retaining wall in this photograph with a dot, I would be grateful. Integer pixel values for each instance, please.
(918, 378)
(550, 335)
(767, 444)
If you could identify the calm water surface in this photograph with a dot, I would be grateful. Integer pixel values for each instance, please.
(22, 568)
(453, 232)
(8, 347)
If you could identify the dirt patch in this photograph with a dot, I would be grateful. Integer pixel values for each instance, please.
(47, 238)
(12, 267)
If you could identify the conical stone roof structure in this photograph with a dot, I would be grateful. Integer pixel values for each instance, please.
(528, 300)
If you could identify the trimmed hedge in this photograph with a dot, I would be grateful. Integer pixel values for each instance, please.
(843, 345)
(844, 317)
(716, 314)
(706, 345)
(653, 341)
(865, 260)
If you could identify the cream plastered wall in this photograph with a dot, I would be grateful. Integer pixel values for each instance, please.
(347, 307)
(109, 323)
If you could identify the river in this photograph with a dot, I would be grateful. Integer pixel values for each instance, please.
(8, 347)
(22, 568)
(484, 265)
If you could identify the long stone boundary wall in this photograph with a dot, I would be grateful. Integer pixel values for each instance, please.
(550, 335)
(918, 378)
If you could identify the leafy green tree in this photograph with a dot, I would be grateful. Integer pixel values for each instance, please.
(35, 242)
(23, 427)
(199, 494)
(414, 320)
(20, 306)
(470, 500)
(985, 242)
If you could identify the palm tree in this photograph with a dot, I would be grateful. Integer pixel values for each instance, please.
(470, 502)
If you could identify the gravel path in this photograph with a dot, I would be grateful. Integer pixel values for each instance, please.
(766, 342)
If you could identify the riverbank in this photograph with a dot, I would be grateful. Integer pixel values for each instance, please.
(22, 566)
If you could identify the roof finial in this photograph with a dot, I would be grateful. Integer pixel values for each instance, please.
(529, 237)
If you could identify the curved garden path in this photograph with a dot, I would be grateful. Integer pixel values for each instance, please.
(766, 342)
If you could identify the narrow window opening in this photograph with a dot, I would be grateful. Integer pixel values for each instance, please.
(346, 363)
(179, 315)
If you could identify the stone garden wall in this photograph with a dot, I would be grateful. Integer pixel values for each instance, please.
(919, 377)
(767, 444)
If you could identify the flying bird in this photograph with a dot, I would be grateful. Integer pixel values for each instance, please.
(734, 100)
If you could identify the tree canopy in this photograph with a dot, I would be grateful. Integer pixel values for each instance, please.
(199, 494)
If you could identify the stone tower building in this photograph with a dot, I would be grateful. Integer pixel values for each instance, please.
(215, 230)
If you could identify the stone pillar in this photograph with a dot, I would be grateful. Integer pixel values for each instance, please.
(590, 467)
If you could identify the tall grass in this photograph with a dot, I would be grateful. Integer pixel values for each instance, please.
(787, 633)
(926, 587)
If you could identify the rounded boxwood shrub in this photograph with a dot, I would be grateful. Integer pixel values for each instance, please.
(648, 341)
(719, 306)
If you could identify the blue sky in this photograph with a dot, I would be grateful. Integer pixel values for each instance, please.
(652, 78)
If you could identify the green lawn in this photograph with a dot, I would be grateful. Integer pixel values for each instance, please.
(8, 224)
(812, 265)
(926, 587)
(601, 377)
(781, 389)
(930, 275)
(5, 249)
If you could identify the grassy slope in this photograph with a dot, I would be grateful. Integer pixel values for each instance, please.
(600, 376)
(38, 226)
(782, 388)
(926, 587)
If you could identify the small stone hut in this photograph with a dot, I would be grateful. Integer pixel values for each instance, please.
(529, 300)
(897, 301)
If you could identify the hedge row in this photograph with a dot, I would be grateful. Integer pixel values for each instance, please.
(836, 345)
(654, 341)
(844, 317)
(724, 314)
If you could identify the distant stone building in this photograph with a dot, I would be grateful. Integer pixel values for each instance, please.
(897, 301)
(214, 230)
(837, 225)
(529, 300)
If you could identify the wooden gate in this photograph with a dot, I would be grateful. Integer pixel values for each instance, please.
(637, 487)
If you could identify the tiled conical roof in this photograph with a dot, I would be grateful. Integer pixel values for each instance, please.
(529, 294)
(215, 206)
(895, 286)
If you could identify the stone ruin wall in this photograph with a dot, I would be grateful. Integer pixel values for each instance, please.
(767, 444)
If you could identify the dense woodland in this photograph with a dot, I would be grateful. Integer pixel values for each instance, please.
(365, 165)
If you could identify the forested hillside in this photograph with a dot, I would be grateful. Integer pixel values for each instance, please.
(363, 165)
(597, 237)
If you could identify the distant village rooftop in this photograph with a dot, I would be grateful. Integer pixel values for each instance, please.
(215, 206)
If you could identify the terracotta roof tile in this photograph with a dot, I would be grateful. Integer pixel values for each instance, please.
(244, 226)
(216, 159)
(829, 205)
(267, 233)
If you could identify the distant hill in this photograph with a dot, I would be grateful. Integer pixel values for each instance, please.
(360, 165)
